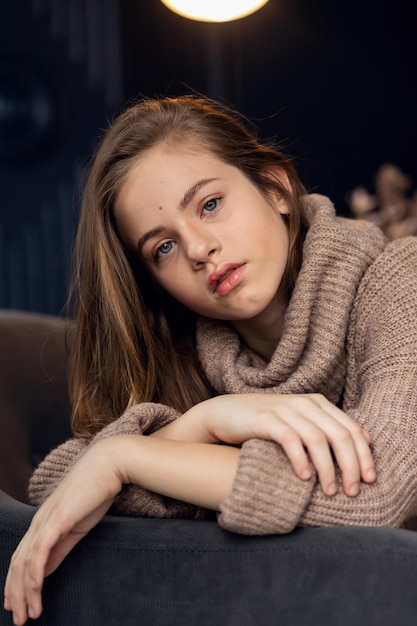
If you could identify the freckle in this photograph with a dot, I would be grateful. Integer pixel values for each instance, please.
(160, 208)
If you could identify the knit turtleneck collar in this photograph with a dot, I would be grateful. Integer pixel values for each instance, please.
(310, 356)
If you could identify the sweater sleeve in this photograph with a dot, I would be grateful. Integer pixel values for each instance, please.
(380, 394)
(133, 500)
(267, 496)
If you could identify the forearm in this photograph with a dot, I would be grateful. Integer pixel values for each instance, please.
(201, 474)
(198, 473)
(138, 499)
(389, 501)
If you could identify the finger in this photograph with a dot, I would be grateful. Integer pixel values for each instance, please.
(360, 437)
(345, 451)
(347, 459)
(26, 572)
(271, 427)
(15, 600)
(351, 452)
(367, 436)
(342, 432)
(293, 447)
(353, 456)
(317, 430)
(365, 458)
(318, 447)
(34, 576)
(296, 433)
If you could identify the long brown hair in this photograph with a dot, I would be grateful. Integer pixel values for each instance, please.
(132, 342)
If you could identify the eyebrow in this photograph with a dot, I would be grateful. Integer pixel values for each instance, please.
(190, 193)
(148, 235)
(184, 202)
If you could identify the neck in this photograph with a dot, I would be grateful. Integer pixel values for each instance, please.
(263, 332)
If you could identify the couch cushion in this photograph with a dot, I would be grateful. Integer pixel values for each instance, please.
(34, 407)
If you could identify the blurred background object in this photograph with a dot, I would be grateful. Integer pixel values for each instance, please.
(392, 206)
(335, 83)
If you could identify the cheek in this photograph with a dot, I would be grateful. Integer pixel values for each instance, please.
(184, 291)
(172, 283)
(282, 236)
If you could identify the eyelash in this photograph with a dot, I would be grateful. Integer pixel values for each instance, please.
(156, 257)
(216, 200)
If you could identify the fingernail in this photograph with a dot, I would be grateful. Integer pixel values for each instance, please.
(371, 474)
(306, 473)
(331, 489)
(354, 489)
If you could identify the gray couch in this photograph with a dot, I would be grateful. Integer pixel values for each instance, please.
(130, 571)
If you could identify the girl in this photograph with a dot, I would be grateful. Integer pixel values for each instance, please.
(218, 303)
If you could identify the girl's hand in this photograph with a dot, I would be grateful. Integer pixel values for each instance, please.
(305, 425)
(78, 504)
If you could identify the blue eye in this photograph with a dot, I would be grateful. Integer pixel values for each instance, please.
(211, 205)
(164, 249)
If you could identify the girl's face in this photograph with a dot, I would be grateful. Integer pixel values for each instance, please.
(207, 234)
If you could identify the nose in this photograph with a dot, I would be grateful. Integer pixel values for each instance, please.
(200, 244)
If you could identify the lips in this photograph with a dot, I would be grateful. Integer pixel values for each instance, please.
(220, 275)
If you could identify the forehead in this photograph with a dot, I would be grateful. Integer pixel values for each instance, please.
(164, 169)
(162, 175)
(164, 154)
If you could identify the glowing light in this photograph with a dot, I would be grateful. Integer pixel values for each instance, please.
(214, 10)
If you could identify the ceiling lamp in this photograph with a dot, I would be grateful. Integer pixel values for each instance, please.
(213, 11)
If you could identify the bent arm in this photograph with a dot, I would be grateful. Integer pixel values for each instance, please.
(381, 395)
(259, 503)
(381, 392)
(162, 478)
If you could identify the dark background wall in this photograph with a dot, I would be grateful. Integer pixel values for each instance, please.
(334, 82)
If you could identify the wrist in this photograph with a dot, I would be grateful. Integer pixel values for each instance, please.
(201, 422)
(193, 426)
(116, 452)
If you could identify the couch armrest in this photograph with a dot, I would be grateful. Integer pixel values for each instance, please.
(183, 572)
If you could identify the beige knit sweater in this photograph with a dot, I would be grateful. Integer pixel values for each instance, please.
(351, 334)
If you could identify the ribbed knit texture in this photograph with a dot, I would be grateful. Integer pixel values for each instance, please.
(351, 329)
(350, 333)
